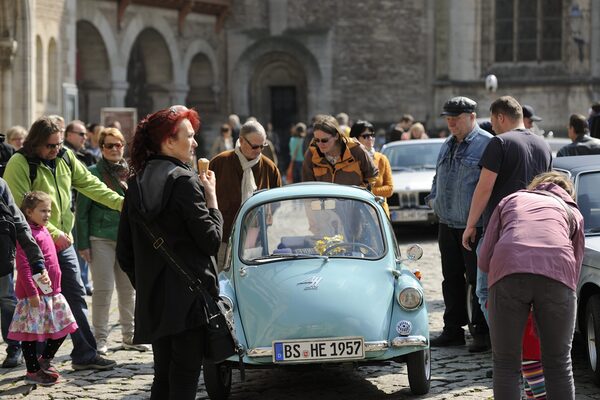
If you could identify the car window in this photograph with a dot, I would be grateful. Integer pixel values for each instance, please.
(588, 200)
(414, 156)
(331, 227)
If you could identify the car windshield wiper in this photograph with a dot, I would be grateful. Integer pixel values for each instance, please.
(593, 230)
(397, 168)
(277, 257)
(428, 166)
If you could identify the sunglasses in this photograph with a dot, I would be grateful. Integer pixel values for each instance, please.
(52, 146)
(255, 146)
(325, 140)
(82, 134)
(367, 135)
(111, 146)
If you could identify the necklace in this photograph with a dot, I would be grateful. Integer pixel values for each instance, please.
(332, 159)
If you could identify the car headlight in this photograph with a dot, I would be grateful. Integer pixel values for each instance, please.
(410, 298)
(228, 302)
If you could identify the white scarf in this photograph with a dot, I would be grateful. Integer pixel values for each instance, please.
(248, 183)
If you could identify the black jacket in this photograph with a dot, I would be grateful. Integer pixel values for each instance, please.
(582, 146)
(169, 193)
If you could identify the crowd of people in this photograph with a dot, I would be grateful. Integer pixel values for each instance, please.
(80, 203)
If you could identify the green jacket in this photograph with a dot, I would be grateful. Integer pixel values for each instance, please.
(58, 185)
(94, 219)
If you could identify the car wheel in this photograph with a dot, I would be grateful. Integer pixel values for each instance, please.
(419, 371)
(592, 334)
(217, 379)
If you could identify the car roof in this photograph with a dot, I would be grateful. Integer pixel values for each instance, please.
(412, 142)
(577, 164)
(309, 189)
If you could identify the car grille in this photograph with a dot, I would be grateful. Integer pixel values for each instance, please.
(408, 199)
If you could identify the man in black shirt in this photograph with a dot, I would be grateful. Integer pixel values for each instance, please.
(583, 144)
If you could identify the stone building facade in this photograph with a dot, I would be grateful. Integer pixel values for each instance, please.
(286, 60)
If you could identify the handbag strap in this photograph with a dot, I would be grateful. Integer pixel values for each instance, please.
(156, 236)
(570, 216)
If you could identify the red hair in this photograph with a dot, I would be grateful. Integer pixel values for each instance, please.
(155, 129)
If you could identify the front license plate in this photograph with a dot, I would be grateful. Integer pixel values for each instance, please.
(410, 215)
(347, 348)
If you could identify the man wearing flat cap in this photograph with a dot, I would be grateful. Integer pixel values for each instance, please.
(457, 174)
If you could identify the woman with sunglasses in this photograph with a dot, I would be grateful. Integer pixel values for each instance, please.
(364, 132)
(97, 242)
(333, 157)
(181, 207)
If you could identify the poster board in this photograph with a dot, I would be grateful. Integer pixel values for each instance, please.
(126, 116)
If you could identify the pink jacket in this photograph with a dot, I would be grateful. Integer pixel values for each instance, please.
(25, 285)
(529, 233)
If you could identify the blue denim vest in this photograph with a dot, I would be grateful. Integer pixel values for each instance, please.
(456, 175)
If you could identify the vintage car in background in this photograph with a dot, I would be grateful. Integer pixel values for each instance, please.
(584, 171)
(413, 168)
(313, 275)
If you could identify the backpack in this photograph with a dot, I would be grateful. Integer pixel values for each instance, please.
(8, 239)
(34, 162)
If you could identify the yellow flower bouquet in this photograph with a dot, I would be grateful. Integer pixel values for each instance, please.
(322, 244)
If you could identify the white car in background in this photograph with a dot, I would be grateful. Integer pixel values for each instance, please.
(413, 168)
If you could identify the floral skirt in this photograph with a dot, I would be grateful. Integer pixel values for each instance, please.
(53, 319)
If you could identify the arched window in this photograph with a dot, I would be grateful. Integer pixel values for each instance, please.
(528, 30)
(52, 73)
(39, 70)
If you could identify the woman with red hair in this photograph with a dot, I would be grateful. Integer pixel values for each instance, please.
(166, 193)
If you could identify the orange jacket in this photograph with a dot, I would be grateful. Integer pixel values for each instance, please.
(355, 166)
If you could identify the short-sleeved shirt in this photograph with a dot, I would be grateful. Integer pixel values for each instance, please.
(517, 157)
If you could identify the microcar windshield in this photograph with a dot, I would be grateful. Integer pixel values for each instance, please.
(319, 227)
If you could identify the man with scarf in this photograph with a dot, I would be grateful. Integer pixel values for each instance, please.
(97, 238)
(239, 173)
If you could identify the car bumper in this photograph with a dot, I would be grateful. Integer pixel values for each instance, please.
(370, 347)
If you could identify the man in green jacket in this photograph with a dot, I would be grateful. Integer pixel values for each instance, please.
(44, 165)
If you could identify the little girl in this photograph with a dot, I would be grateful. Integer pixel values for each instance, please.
(40, 317)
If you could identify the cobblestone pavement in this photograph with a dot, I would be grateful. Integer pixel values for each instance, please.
(456, 374)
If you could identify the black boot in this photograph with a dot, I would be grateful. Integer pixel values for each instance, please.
(14, 357)
(481, 342)
(449, 338)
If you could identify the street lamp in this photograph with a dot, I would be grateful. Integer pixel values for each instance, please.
(576, 19)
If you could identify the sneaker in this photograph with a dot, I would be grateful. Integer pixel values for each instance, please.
(97, 362)
(128, 345)
(102, 348)
(480, 344)
(448, 338)
(40, 378)
(48, 368)
(14, 357)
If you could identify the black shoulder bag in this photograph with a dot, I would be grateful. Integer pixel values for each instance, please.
(221, 341)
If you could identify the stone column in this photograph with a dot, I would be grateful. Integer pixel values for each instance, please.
(8, 49)
(464, 53)
(118, 91)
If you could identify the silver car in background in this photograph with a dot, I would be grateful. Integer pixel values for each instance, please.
(413, 168)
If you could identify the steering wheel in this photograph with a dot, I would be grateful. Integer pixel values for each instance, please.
(359, 246)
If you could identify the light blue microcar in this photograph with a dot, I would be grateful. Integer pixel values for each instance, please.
(313, 275)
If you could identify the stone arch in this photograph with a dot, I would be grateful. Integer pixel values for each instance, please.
(39, 69)
(143, 22)
(117, 65)
(52, 80)
(149, 73)
(201, 83)
(245, 76)
(93, 76)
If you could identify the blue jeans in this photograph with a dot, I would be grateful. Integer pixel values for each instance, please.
(84, 344)
(8, 302)
(482, 286)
